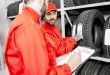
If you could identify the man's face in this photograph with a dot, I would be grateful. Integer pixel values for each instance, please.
(51, 17)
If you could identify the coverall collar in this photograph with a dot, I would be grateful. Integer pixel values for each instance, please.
(33, 13)
(48, 26)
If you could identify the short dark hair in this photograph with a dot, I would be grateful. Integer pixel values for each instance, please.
(26, 1)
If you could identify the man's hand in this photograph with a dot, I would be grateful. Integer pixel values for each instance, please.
(74, 60)
(78, 37)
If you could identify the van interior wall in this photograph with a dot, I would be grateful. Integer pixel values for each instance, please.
(3, 28)
(4, 22)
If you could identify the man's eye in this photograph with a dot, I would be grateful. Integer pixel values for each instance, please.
(54, 13)
(48, 14)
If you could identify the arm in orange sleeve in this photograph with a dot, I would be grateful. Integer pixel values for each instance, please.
(65, 45)
(26, 54)
(13, 59)
(60, 70)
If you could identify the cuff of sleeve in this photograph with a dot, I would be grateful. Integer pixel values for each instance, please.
(72, 42)
(75, 42)
(64, 70)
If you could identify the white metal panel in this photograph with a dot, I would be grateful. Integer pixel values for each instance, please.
(62, 18)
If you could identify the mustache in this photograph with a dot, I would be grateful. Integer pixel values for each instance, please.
(52, 19)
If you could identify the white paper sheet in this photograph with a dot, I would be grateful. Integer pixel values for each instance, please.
(85, 54)
(107, 37)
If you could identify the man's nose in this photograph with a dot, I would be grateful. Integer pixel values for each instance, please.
(52, 16)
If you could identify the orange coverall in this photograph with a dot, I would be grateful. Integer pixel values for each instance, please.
(61, 45)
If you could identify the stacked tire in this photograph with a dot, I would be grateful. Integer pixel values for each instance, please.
(92, 29)
(69, 3)
(13, 9)
(94, 67)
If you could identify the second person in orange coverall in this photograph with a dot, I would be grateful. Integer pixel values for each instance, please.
(62, 45)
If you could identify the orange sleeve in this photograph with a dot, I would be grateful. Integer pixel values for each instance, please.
(12, 58)
(60, 70)
(26, 54)
(65, 46)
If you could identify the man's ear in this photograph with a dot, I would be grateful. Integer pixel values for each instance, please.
(44, 18)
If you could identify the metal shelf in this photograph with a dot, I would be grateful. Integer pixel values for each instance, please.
(86, 6)
(63, 13)
(63, 9)
(100, 59)
(11, 17)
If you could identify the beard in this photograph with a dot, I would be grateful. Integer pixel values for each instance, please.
(52, 22)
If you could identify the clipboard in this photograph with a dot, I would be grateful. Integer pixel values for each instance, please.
(86, 52)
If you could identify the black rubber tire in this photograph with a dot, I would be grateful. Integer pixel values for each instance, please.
(78, 70)
(108, 71)
(90, 67)
(104, 68)
(86, 67)
(69, 3)
(90, 18)
(13, 9)
(106, 49)
(80, 2)
(96, 68)
(95, 1)
(101, 71)
(97, 35)
(73, 12)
